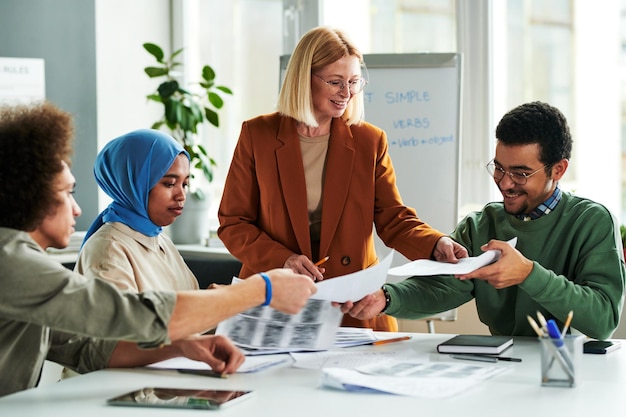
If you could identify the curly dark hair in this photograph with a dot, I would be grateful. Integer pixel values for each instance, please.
(538, 123)
(35, 140)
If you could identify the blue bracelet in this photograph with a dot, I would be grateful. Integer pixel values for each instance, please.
(268, 288)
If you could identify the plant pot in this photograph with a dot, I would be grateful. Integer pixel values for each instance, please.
(192, 227)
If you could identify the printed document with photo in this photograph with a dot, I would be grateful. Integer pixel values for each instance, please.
(262, 330)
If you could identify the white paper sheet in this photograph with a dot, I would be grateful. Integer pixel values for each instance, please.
(417, 379)
(425, 267)
(354, 286)
(349, 359)
(262, 330)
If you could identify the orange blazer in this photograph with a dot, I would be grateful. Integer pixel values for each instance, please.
(263, 212)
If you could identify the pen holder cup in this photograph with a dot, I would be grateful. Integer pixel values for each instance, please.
(560, 361)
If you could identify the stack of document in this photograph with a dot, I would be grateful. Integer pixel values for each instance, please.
(263, 330)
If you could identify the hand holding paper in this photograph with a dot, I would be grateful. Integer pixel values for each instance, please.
(425, 267)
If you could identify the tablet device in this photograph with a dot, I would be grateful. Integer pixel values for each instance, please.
(180, 398)
(600, 346)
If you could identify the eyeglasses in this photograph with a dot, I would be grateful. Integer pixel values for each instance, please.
(355, 86)
(518, 177)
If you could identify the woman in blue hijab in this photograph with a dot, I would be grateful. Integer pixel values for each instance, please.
(146, 173)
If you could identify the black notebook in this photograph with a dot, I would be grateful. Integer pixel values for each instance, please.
(468, 343)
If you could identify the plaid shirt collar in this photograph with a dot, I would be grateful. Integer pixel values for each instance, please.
(544, 208)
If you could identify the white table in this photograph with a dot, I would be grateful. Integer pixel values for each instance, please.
(287, 391)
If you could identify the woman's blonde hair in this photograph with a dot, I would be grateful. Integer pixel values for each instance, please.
(318, 48)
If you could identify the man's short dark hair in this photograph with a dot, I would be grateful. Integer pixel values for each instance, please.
(538, 123)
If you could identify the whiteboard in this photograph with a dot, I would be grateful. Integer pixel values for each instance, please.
(415, 99)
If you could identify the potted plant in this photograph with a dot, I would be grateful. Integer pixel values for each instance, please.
(184, 110)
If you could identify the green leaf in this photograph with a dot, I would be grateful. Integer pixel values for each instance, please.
(202, 150)
(154, 50)
(189, 122)
(207, 85)
(225, 89)
(157, 125)
(185, 91)
(167, 89)
(172, 112)
(170, 125)
(207, 167)
(192, 153)
(196, 109)
(155, 71)
(154, 97)
(198, 194)
(216, 100)
(177, 52)
(208, 73)
(212, 117)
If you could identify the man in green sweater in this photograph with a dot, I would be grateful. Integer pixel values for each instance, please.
(568, 255)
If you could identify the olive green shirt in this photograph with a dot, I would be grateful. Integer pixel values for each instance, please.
(50, 312)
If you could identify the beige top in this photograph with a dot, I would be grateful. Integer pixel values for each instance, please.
(314, 152)
(133, 261)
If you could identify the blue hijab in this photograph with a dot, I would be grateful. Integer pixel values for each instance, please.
(126, 169)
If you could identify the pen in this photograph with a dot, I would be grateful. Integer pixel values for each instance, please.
(557, 339)
(203, 372)
(555, 352)
(321, 261)
(395, 339)
(485, 358)
(554, 332)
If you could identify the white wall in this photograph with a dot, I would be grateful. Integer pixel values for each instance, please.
(597, 142)
(122, 27)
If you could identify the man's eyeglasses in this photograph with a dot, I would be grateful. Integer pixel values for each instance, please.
(518, 177)
(355, 86)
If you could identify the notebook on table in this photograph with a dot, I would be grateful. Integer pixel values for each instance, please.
(481, 344)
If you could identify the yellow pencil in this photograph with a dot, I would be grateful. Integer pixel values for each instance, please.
(568, 321)
(535, 326)
(542, 321)
(395, 339)
(321, 261)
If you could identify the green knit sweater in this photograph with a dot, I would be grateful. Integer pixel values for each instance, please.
(578, 265)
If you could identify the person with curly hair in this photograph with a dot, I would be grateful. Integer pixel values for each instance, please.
(49, 312)
(568, 255)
